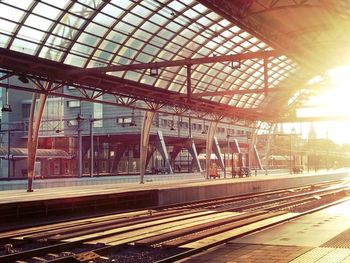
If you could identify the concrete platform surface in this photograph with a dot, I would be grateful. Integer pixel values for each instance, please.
(169, 188)
(97, 195)
(321, 237)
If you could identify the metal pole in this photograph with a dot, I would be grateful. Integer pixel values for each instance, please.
(225, 165)
(8, 152)
(290, 155)
(98, 155)
(189, 137)
(91, 147)
(232, 164)
(80, 150)
(228, 154)
(189, 88)
(249, 150)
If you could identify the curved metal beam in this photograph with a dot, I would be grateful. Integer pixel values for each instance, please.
(177, 63)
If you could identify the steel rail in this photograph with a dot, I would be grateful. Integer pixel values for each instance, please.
(163, 214)
(196, 251)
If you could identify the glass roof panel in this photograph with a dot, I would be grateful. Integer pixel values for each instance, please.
(38, 22)
(24, 46)
(82, 9)
(6, 29)
(11, 12)
(92, 33)
(30, 34)
(56, 4)
(46, 11)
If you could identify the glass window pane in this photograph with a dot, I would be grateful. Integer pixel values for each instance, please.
(88, 39)
(98, 114)
(103, 19)
(132, 19)
(75, 60)
(11, 13)
(125, 28)
(7, 27)
(46, 10)
(30, 34)
(96, 29)
(59, 4)
(24, 46)
(109, 46)
(50, 53)
(81, 49)
(38, 22)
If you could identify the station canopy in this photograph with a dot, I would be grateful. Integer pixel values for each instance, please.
(259, 56)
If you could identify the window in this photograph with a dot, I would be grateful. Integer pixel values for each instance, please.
(71, 123)
(98, 115)
(73, 103)
(164, 123)
(124, 120)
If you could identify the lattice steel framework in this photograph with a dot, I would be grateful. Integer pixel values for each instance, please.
(66, 35)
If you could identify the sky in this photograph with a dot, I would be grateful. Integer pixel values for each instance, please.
(335, 101)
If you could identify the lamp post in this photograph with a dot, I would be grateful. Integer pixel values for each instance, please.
(8, 152)
(80, 148)
(292, 158)
(228, 153)
(249, 142)
(91, 146)
(9, 156)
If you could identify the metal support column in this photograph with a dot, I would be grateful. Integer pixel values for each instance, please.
(217, 152)
(163, 151)
(9, 156)
(80, 146)
(209, 145)
(33, 135)
(145, 131)
(193, 151)
(266, 76)
(235, 149)
(189, 89)
(268, 146)
(91, 146)
(257, 157)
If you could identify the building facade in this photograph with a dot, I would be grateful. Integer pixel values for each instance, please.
(106, 136)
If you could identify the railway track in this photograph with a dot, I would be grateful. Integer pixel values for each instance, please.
(164, 234)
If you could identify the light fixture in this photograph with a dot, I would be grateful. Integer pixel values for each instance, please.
(23, 79)
(80, 117)
(236, 64)
(153, 72)
(6, 107)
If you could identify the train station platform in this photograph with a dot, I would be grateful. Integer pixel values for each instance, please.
(107, 194)
(320, 237)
